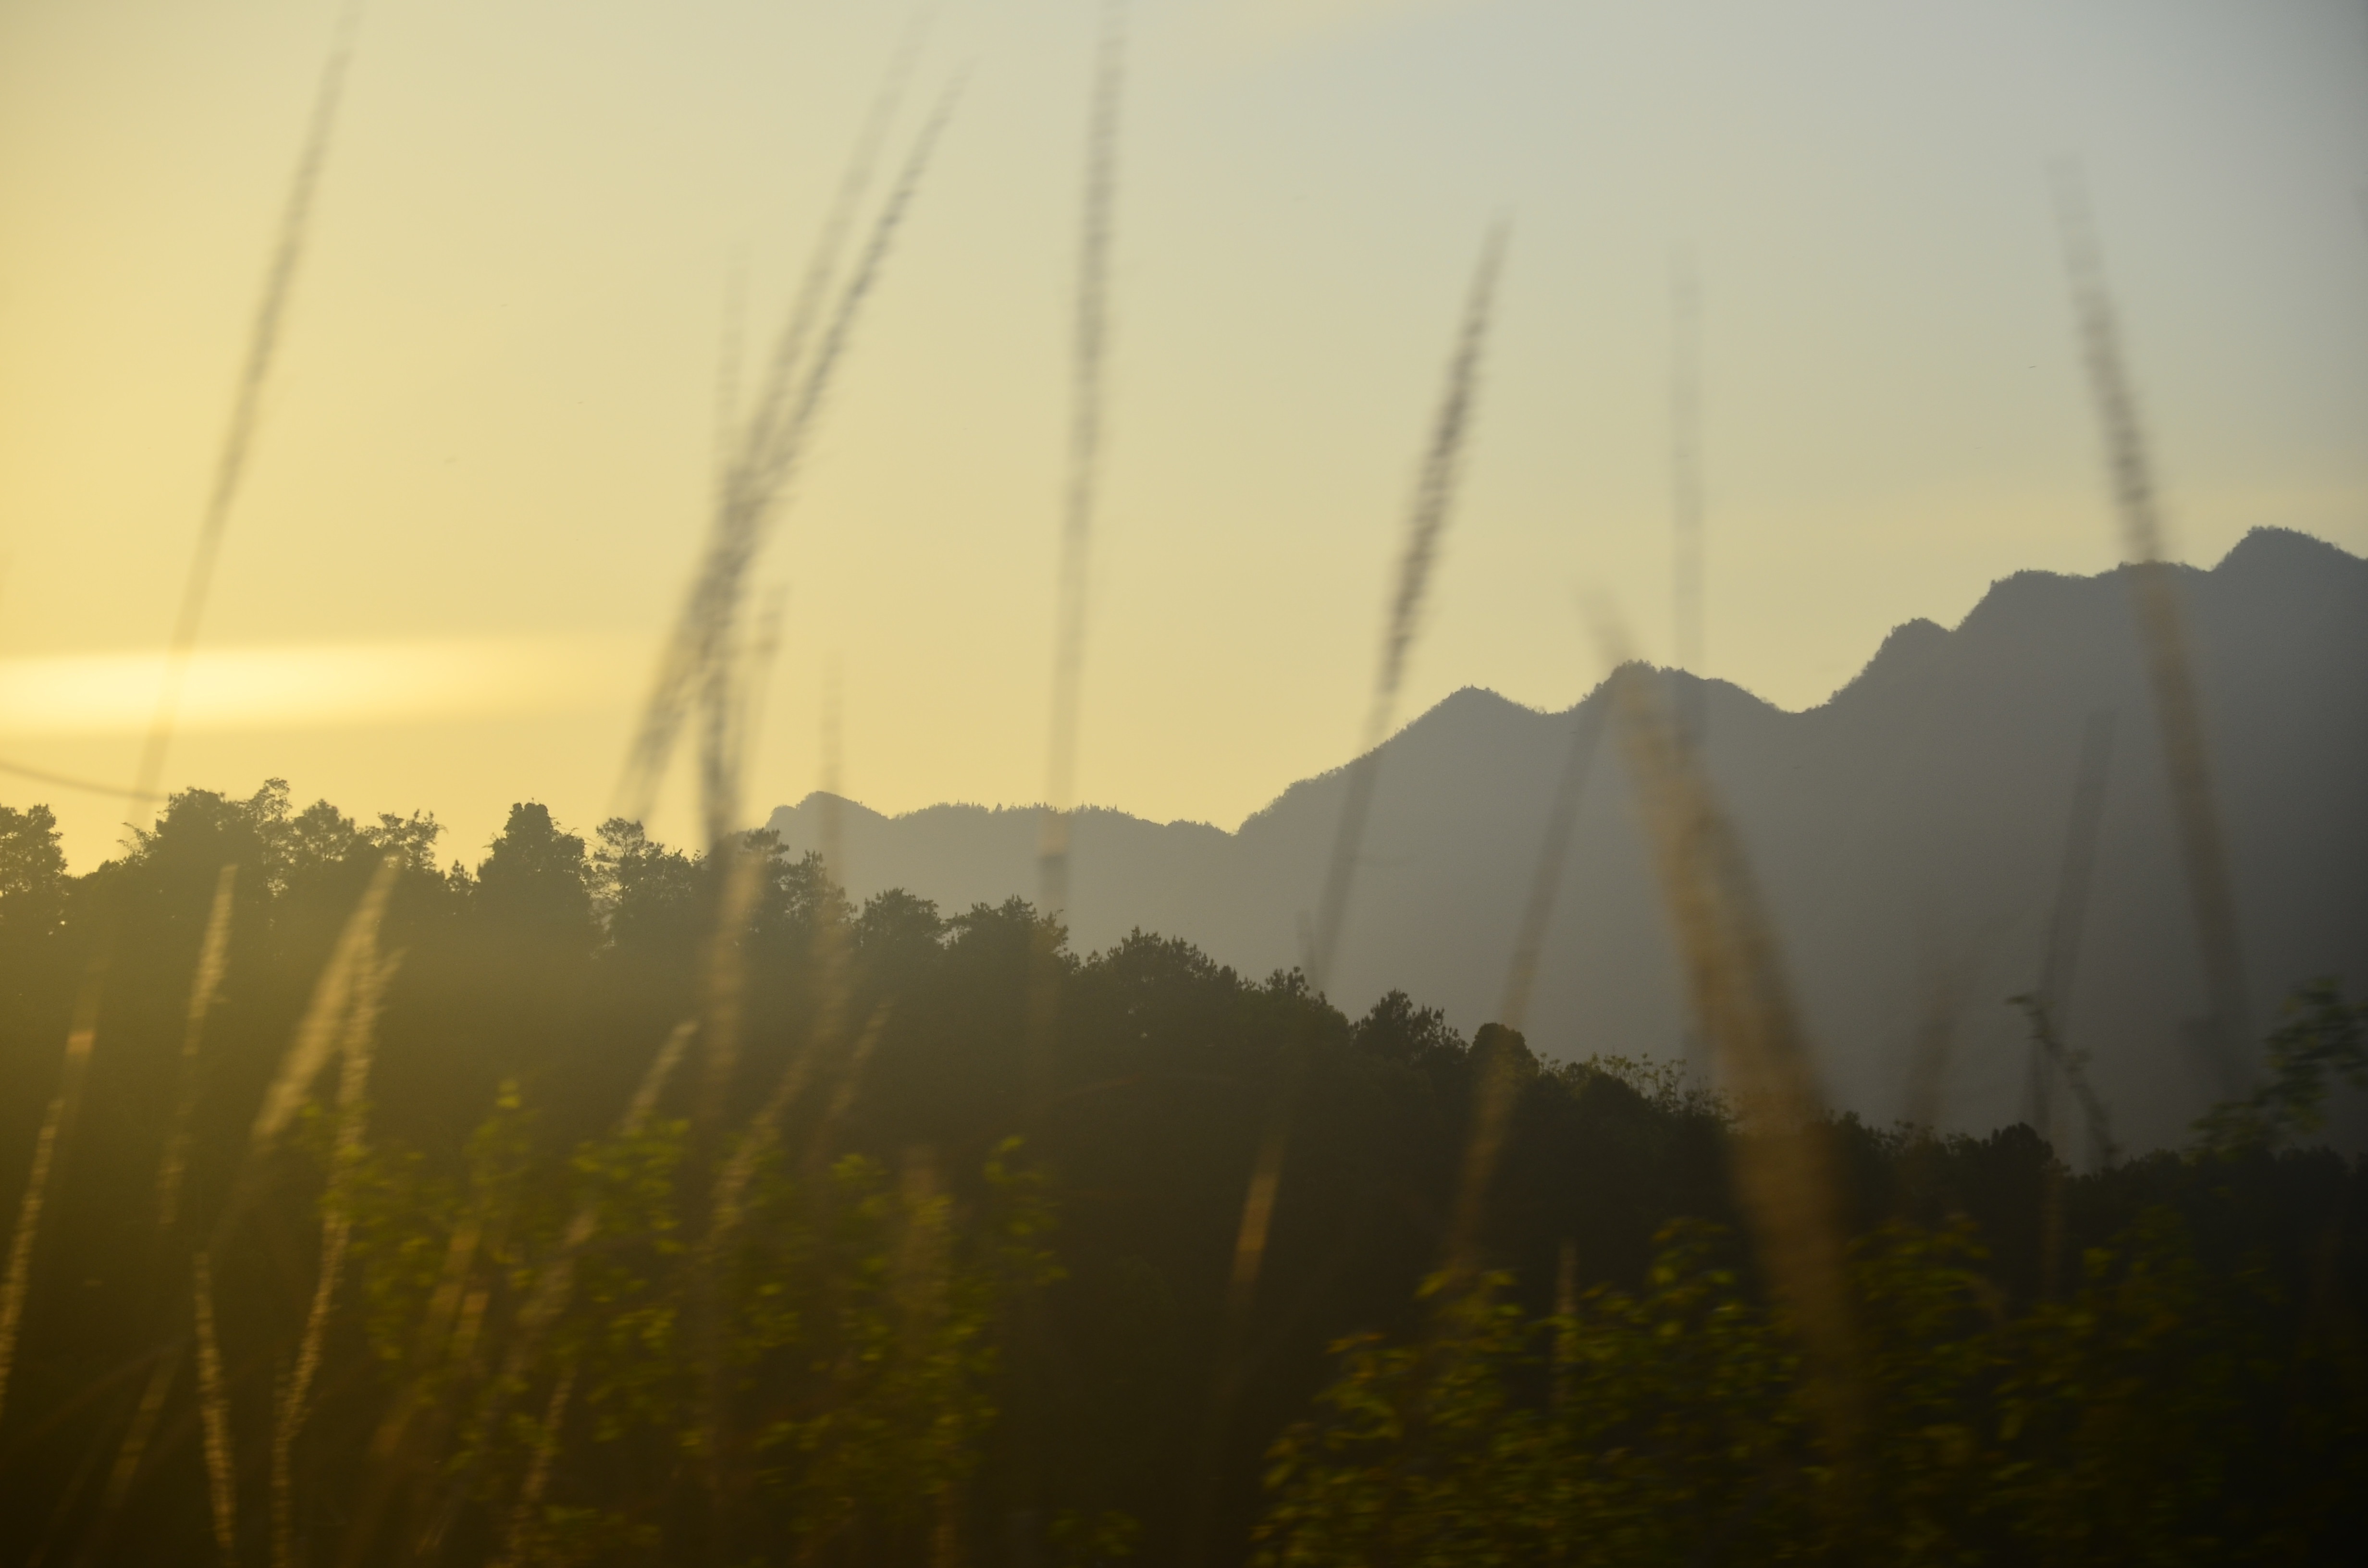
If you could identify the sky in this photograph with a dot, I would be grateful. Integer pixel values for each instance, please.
(485, 461)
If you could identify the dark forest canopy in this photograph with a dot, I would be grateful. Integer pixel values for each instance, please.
(932, 1264)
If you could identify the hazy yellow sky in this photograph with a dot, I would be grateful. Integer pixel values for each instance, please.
(484, 469)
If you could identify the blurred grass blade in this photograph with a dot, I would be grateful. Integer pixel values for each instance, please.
(337, 1231)
(247, 405)
(212, 955)
(213, 1404)
(1434, 501)
(754, 488)
(1088, 351)
(1784, 1169)
(352, 965)
(2162, 625)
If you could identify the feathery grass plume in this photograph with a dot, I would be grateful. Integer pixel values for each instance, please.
(246, 405)
(57, 1126)
(772, 441)
(1785, 1178)
(1687, 597)
(553, 1284)
(337, 1231)
(1089, 349)
(230, 468)
(2187, 759)
(213, 1408)
(351, 970)
(1433, 502)
(213, 954)
(729, 710)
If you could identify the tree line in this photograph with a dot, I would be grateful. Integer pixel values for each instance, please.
(603, 1202)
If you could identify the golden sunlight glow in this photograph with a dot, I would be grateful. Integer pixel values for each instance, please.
(318, 685)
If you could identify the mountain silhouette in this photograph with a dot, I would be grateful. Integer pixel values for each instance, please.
(1907, 835)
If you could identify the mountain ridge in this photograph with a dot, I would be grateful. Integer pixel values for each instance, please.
(1907, 832)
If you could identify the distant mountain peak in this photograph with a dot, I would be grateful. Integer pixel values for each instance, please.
(2281, 550)
(1908, 649)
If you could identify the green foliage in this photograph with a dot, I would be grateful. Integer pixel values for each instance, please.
(547, 1346)
(2323, 1040)
(2150, 1417)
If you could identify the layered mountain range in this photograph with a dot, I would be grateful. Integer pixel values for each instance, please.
(1909, 835)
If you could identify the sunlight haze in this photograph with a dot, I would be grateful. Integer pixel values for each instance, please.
(488, 449)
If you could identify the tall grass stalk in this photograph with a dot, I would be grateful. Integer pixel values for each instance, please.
(1783, 1168)
(1433, 504)
(213, 953)
(1434, 499)
(230, 469)
(213, 1410)
(1088, 351)
(755, 481)
(336, 1232)
(246, 401)
(352, 969)
(2162, 625)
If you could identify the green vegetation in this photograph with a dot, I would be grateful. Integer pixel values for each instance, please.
(537, 1273)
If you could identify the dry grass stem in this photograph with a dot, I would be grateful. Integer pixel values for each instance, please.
(336, 1232)
(213, 954)
(1433, 502)
(1089, 349)
(214, 1405)
(48, 1150)
(755, 481)
(352, 965)
(1743, 1003)
(2162, 625)
(246, 403)
(57, 1126)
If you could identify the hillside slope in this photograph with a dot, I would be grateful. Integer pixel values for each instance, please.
(1907, 832)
